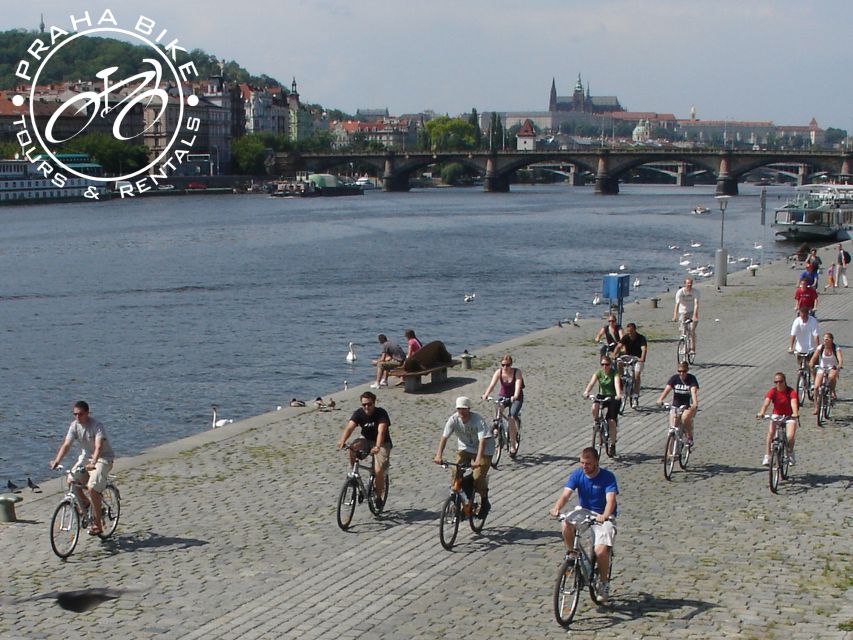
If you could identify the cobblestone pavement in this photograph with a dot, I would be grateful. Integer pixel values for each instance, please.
(232, 534)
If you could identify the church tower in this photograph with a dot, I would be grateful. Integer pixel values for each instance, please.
(578, 96)
(552, 102)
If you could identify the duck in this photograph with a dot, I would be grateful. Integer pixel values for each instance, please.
(297, 403)
(351, 357)
(217, 421)
(469, 297)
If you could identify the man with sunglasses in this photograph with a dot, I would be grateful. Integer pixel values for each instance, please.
(685, 393)
(785, 403)
(375, 438)
(95, 461)
(609, 386)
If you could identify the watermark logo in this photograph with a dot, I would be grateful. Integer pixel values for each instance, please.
(134, 108)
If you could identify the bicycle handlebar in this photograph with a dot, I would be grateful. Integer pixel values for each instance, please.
(776, 417)
(462, 467)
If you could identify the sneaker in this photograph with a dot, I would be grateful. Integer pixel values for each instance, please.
(766, 461)
(602, 595)
(374, 385)
(484, 510)
(611, 451)
(792, 459)
(384, 383)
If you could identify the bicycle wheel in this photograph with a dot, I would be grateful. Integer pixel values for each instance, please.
(500, 443)
(820, 401)
(623, 402)
(593, 582)
(449, 525)
(681, 350)
(476, 523)
(786, 460)
(64, 529)
(597, 438)
(670, 455)
(827, 403)
(802, 386)
(691, 355)
(567, 591)
(346, 503)
(809, 384)
(110, 510)
(517, 437)
(775, 468)
(683, 455)
(371, 496)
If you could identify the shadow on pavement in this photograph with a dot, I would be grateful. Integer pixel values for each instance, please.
(149, 541)
(715, 365)
(531, 460)
(430, 389)
(628, 459)
(797, 483)
(709, 470)
(626, 607)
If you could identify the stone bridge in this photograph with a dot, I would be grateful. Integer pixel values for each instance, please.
(728, 166)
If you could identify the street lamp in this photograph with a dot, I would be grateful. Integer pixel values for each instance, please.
(722, 256)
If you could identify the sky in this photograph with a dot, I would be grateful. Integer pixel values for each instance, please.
(781, 60)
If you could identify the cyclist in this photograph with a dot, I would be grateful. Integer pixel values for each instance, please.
(634, 344)
(95, 461)
(804, 335)
(785, 403)
(609, 385)
(829, 361)
(476, 445)
(687, 305)
(685, 393)
(375, 437)
(805, 296)
(597, 490)
(611, 334)
(512, 394)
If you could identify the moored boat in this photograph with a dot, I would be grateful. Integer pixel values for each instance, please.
(816, 212)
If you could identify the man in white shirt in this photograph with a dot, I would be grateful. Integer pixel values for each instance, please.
(687, 306)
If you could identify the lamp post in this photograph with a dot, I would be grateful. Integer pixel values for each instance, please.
(721, 256)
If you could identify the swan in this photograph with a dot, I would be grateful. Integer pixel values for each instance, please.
(469, 297)
(695, 244)
(577, 316)
(351, 357)
(596, 299)
(684, 263)
(755, 245)
(216, 421)
(636, 282)
(622, 267)
(674, 247)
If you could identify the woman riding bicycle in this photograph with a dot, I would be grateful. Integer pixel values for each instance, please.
(512, 392)
(829, 360)
(609, 386)
(785, 403)
(610, 335)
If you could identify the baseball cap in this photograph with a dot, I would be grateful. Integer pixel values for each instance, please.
(463, 403)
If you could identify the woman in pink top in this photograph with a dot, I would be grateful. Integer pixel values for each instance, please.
(414, 343)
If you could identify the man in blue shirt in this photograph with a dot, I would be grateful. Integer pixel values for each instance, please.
(597, 489)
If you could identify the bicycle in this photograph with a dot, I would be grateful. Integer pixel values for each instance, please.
(627, 376)
(804, 377)
(780, 460)
(600, 427)
(463, 502)
(677, 446)
(576, 571)
(500, 430)
(823, 398)
(70, 514)
(354, 492)
(686, 349)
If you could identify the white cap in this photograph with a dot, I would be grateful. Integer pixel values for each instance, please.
(463, 403)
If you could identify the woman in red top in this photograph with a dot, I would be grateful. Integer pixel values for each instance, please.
(805, 296)
(785, 403)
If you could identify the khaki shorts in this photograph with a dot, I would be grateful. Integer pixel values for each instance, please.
(388, 365)
(604, 533)
(382, 458)
(96, 479)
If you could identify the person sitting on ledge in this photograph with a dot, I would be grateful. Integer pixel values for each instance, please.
(390, 357)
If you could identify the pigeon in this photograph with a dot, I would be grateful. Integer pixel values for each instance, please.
(33, 486)
(11, 486)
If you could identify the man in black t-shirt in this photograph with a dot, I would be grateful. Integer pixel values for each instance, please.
(634, 344)
(685, 393)
(376, 433)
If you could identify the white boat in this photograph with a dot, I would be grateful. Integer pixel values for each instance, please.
(816, 212)
(366, 183)
(21, 181)
(699, 210)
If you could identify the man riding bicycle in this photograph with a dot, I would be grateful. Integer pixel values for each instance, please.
(597, 490)
(685, 393)
(687, 306)
(634, 344)
(785, 403)
(95, 461)
(609, 386)
(476, 445)
(805, 332)
(375, 438)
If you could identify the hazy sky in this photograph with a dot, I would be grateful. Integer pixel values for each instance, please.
(780, 60)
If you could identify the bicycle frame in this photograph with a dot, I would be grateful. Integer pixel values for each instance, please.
(804, 376)
(354, 490)
(686, 349)
(677, 447)
(779, 453)
(70, 516)
(500, 429)
(600, 426)
(459, 504)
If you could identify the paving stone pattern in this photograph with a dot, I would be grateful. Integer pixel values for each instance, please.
(232, 534)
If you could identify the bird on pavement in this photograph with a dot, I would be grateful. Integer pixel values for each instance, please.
(33, 486)
(297, 403)
(11, 486)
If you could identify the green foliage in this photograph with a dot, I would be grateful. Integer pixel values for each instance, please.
(249, 153)
(834, 136)
(115, 156)
(451, 134)
(452, 172)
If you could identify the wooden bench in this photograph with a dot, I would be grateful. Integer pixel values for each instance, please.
(412, 379)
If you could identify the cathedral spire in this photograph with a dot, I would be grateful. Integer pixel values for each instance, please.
(552, 103)
(41, 24)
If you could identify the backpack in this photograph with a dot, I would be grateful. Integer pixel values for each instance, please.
(846, 257)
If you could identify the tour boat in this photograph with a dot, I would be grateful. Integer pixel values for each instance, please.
(816, 212)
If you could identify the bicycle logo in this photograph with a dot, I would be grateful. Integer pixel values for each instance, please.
(133, 108)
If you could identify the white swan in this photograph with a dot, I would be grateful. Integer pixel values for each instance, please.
(351, 357)
(596, 299)
(469, 297)
(216, 421)
(755, 245)
(577, 316)
(684, 263)
(622, 267)
(636, 282)
(695, 244)
(674, 247)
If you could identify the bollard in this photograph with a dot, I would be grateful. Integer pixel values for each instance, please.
(654, 302)
(7, 508)
(466, 359)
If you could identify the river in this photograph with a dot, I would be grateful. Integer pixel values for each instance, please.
(154, 309)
